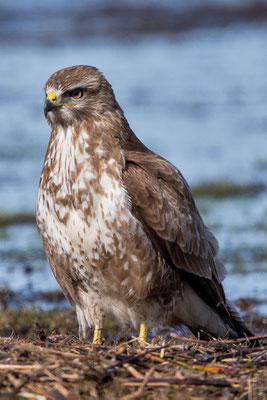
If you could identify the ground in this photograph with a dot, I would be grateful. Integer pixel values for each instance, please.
(42, 358)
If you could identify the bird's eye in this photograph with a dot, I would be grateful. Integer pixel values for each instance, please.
(76, 93)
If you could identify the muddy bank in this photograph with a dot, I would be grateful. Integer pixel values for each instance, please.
(119, 19)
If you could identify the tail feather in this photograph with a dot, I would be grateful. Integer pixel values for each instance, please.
(232, 318)
(237, 322)
(207, 320)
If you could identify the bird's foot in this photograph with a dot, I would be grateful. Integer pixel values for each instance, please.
(142, 339)
(97, 335)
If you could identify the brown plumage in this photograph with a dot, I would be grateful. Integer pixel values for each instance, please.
(119, 224)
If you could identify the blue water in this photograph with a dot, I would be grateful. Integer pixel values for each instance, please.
(198, 97)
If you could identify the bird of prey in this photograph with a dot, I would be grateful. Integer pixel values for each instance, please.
(120, 227)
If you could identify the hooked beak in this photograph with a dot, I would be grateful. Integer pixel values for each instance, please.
(49, 106)
(50, 103)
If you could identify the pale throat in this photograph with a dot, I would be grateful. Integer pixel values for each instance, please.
(78, 159)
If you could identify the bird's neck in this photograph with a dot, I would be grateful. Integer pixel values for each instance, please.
(83, 152)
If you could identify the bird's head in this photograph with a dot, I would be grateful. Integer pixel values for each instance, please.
(77, 93)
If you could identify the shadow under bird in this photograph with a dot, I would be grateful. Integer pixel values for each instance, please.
(119, 225)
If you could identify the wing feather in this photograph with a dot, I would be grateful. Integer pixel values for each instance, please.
(164, 202)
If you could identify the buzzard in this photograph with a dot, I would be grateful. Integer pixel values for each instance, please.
(119, 225)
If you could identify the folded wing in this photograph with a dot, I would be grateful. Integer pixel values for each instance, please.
(162, 200)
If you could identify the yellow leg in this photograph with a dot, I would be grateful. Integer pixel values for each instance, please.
(97, 335)
(143, 334)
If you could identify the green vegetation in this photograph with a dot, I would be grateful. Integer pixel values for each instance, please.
(244, 261)
(219, 190)
(261, 226)
(25, 322)
(14, 219)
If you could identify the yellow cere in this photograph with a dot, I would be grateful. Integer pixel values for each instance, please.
(52, 96)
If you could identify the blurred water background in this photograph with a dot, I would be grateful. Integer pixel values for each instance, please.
(191, 77)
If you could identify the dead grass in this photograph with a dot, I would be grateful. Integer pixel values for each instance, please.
(46, 360)
(63, 367)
